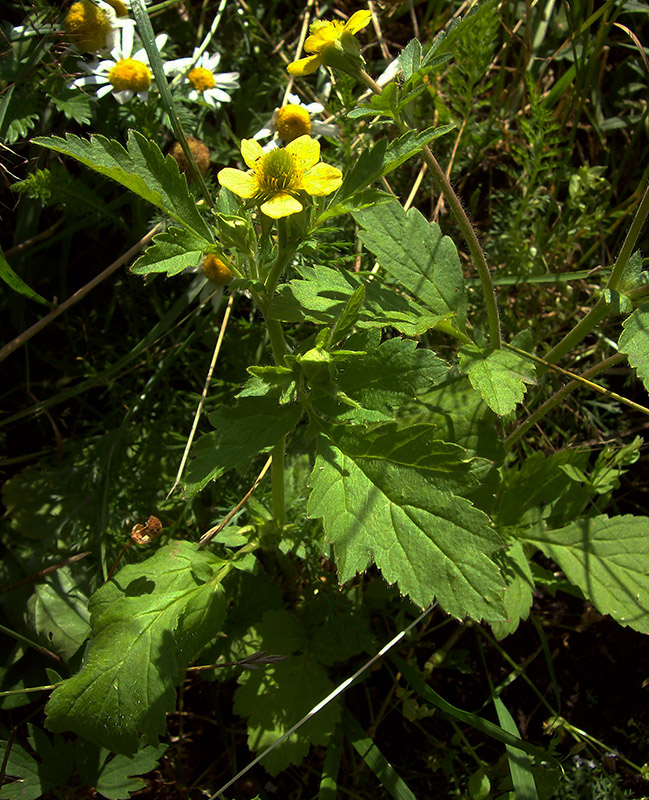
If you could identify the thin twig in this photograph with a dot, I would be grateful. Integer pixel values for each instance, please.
(201, 402)
(41, 573)
(206, 538)
(331, 696)
(25, 336)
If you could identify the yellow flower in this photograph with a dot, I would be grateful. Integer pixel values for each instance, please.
(329, 41)
(276, 177)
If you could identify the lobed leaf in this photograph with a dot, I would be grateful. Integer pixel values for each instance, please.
(387, 503)
(500, 376)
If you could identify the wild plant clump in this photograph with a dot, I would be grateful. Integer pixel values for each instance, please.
(359, 360)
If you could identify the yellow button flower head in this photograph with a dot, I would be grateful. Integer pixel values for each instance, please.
(88, 25)
(277, 177)
(332, 44)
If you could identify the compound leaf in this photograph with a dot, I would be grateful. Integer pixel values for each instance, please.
(147, 623)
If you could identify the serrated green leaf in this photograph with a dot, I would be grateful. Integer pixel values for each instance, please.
(410, 58)
(17, 283)
(409, 144)
(254, 425)
(518, 594)
(608, 559)
(501, 376)
(36, 777)
(414, 252)
(172, 251)
(382, 380)
(348, 316)
(542, 489)
(322, 293)
(147, 623)
(381, 506)
(74, 104)
(634, 342)
(275, 698)
(141, 167)
(116, 780)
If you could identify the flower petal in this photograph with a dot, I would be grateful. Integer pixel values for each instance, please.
(306, 150)
(323, 179)
(241, 183)
(358, 21)
(282, 205)
(323, 36)
(304, 66)
(251, 151)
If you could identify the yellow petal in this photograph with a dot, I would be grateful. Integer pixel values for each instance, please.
(304, 66)
(322, 37)
(306, 150)
(282, 205)
(358, 21)
(241, 183)
(251, 150)
(321, 180)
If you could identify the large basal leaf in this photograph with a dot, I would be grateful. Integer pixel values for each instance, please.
(608, 559)
(321, 294)
(148, 622)
(172, 251)
(500, 376)
(634, 342)
(384, 499)
(414, 252)
(254, 425)
(141, 167)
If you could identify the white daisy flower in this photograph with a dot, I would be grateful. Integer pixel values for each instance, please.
(293, 120)
(205, 85)
(125, 73)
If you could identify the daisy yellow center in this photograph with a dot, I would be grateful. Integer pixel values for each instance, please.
(201, 78)
(278, 172)
(88, 25)
(216, 271)
(120, 8)
(293, 121)
(130, 74)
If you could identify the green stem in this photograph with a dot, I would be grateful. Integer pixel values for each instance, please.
(557, 397)
(285, 253)
(629, 241)
(579, 332)
(277, 481)
(464, 224)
